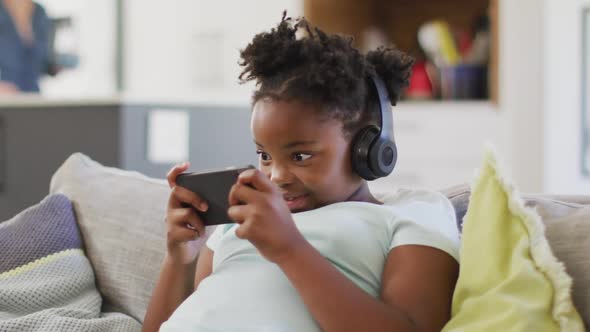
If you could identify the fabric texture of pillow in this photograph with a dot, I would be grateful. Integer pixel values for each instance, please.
(570, 240)
(509, 279)
(46, 281)
(567, 228)
(459, 197)
(121, 218)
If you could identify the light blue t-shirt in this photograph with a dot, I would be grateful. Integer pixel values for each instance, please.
(246, 292)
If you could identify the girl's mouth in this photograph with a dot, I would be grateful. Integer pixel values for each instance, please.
(296, 202)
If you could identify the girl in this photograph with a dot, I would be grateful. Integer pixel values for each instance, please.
(312, 248)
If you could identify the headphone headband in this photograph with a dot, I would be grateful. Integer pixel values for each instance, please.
(384, 104)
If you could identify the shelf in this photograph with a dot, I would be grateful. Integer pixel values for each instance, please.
(400, 20)
(447, 106)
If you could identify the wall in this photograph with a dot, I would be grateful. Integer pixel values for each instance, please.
(192, 47)
(95, 27)
(215, 136)
(562, 97)
(37, 140)
(520, 91)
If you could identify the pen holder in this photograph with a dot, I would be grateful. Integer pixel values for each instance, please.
(464, 81)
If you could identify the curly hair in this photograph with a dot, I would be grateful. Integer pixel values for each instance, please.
(320, 68)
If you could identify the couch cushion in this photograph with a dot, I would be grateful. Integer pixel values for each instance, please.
(46, 281)
(548, 206)
(569, 236)
(519, 285)
(121, 219)
(459, 197)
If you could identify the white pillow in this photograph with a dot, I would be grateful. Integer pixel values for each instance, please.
(121, 217)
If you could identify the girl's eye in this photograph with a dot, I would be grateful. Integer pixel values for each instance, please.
(263, 155)
(301, 156)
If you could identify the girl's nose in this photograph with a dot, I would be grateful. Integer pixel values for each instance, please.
(281, 176)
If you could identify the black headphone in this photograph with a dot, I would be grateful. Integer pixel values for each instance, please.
(374, 153)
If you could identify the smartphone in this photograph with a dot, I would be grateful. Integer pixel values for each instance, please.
(213, 187)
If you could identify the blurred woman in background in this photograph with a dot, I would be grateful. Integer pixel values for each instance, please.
(25, 53)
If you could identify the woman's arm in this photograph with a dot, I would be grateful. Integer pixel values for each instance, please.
(8, 88)
(417, 288)
(176, 283)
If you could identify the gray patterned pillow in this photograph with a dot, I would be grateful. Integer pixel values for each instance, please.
(42, 230)
(46, 281)
(39, 231)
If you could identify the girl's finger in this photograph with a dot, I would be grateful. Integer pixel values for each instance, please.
(179, 235)
(256, 179)
(179, 218)
(243, 230)
(238, 213)
(173, 173)
(185, 198)
(241, 194)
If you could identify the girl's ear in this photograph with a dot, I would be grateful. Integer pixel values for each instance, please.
(354, 177)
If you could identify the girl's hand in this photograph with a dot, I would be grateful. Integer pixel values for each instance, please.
(258, 206)
(186, 231)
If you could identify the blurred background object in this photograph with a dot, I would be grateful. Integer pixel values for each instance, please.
(25, 51)
(84, 46)
(452, 39)
(585, 116)
(32, 45)
(421, 84)
(64, 43)
(133, 47)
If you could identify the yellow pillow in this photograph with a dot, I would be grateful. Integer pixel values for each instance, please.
(509, 279)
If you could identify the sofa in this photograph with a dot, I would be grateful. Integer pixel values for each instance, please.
(110, 222)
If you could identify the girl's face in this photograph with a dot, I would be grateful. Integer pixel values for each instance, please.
(307, 156)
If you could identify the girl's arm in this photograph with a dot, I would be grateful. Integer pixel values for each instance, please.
(176, 283)
(417, 288)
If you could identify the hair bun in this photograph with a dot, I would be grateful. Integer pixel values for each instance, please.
(393, 67)
(271, 53)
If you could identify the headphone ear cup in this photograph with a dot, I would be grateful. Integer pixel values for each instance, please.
(361, 146)
(382, 157)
